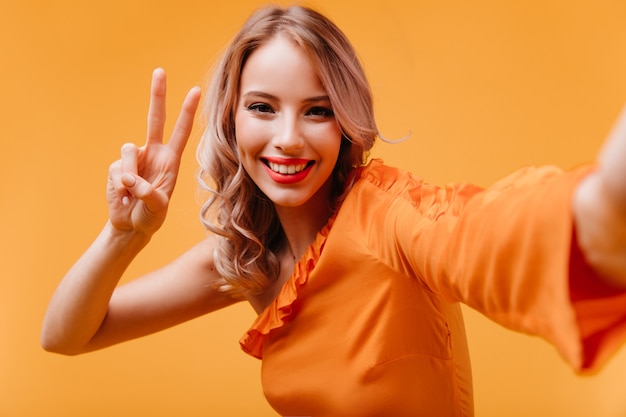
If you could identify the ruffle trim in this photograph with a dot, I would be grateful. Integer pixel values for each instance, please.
(275, 315)
(278, 312)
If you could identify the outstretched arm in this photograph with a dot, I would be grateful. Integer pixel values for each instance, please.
(600, 210)
(87, 312)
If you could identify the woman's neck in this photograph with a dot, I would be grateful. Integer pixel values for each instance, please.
(301, 224)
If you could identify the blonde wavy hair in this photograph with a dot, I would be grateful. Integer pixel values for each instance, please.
(248, 233)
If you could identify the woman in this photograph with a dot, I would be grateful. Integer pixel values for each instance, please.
(356, 269)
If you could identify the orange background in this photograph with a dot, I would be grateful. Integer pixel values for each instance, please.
(484, 86)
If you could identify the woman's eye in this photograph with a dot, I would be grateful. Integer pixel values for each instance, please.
(321, 112)
(260, 108)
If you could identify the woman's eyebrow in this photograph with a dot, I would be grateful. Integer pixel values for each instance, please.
(263, 94)
(255, 93)
(317, 99)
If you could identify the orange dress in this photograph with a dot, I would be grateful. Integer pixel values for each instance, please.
(369, 324)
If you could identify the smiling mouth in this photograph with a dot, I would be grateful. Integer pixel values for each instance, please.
(287, 169)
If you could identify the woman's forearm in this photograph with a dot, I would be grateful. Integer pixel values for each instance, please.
(80, 303)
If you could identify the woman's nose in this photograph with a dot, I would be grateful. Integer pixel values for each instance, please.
(288, 135)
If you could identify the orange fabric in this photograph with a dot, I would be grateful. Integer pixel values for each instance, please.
(369, 323)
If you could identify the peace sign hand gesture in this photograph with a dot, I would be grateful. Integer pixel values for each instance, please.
(141, 183)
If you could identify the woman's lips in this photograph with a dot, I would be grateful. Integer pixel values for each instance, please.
(287, 170)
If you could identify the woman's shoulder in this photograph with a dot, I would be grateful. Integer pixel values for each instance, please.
(377, 180)
(386, 177)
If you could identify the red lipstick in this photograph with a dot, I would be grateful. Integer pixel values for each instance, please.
(285, 164)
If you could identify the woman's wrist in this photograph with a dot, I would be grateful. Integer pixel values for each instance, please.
(125, 239)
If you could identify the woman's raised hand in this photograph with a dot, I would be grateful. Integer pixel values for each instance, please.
(600, 209)
(141, 183)
(613, 165)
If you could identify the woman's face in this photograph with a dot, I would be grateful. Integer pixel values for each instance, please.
(287, 136)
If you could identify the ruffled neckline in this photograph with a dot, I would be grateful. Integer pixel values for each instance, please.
(277, 313)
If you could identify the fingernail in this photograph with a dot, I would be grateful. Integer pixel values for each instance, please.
(125, 200)
(128, 180)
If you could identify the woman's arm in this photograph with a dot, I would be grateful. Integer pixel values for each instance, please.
(86, 312)
(600, 210)
(80, 302)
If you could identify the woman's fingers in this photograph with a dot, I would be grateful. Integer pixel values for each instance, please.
(129, 158)
(143, 190)
(156, 110)
(115, 187)
(129, 154)
(184, 124)
(142, 180)
(156, 114)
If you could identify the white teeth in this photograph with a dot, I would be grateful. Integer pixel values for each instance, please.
(286, 169)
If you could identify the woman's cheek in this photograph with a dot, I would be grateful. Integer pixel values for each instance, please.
(243, 127)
